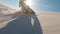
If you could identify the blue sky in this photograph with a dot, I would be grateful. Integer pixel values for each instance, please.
(45, 5)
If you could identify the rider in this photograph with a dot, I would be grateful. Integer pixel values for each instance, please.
(25, 8)
(21, 4)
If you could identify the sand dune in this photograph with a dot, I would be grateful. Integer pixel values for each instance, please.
(42, 23)
(22, 25)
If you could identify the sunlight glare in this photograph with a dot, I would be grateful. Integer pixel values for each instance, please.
(29, 2)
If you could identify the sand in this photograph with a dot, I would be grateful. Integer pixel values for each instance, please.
(50, 22)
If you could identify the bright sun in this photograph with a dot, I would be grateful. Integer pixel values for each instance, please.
(29, 2)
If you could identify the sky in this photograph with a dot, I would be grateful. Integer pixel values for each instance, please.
(45, 5)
